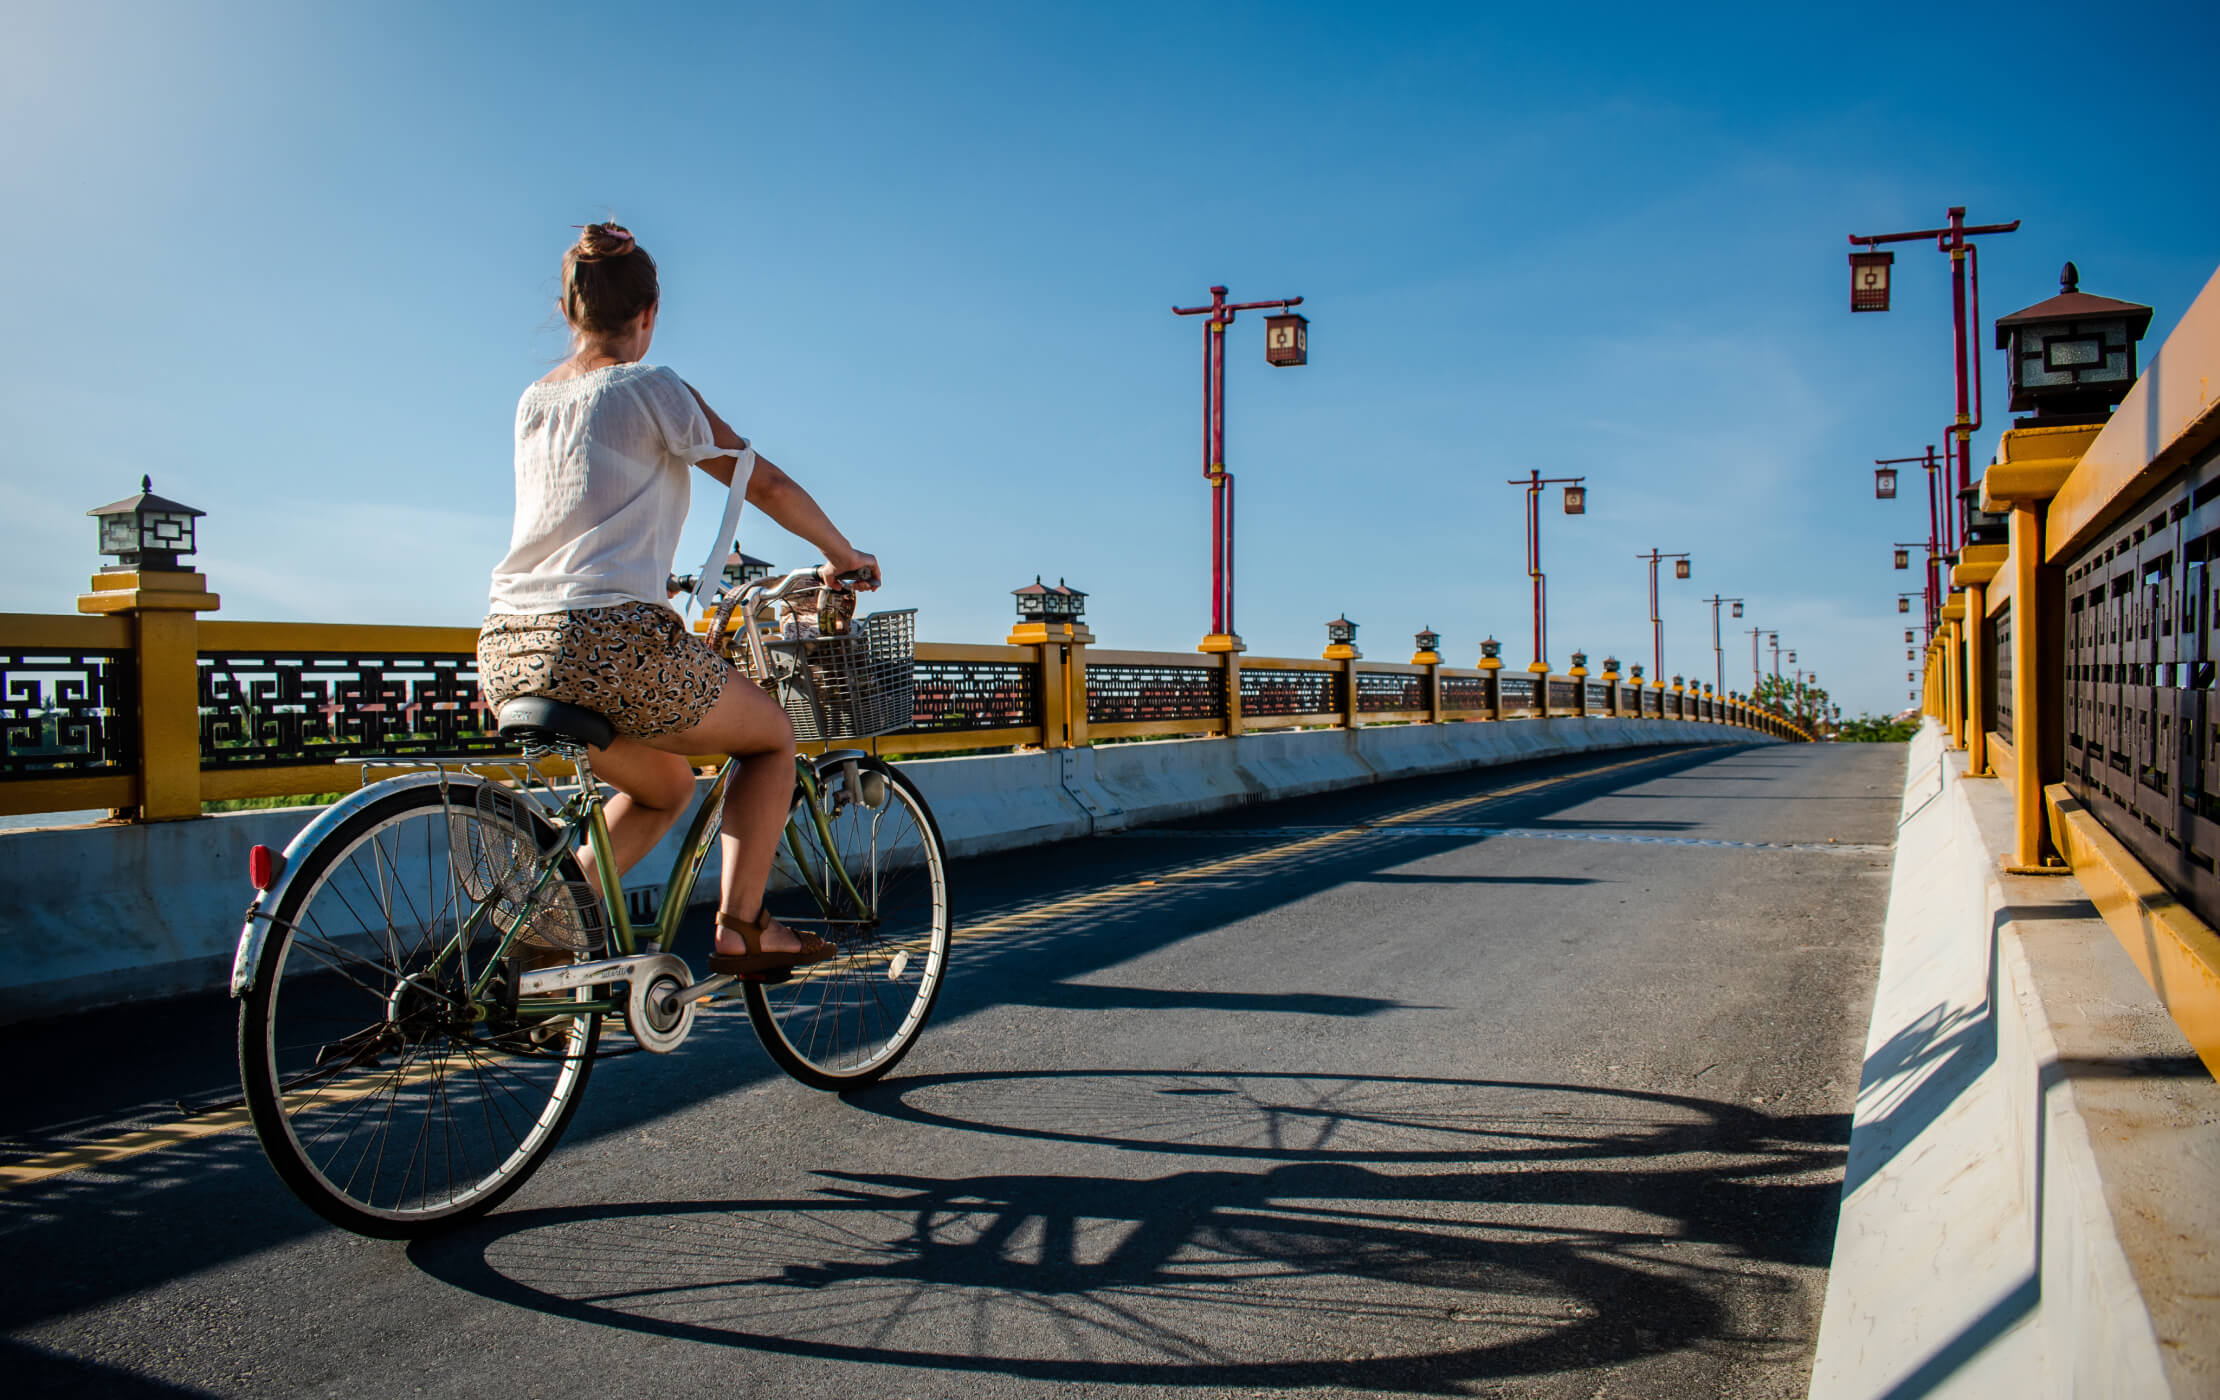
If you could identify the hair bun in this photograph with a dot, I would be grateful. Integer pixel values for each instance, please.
(609, 240)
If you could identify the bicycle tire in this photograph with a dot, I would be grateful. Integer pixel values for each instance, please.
(833, 1025)
(325, 968)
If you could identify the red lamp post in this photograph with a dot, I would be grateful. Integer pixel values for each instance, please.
(1941, 538)
(1867, 294)
(1287, 342)
(1657, 623)
(1719, 652)
(1576, 503)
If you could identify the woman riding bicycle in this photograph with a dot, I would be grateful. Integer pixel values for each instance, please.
(579, 610)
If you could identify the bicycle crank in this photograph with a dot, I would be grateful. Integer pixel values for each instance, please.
(657, 1011)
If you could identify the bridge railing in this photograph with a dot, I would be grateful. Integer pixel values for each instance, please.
(152, 711)
(2076, 662)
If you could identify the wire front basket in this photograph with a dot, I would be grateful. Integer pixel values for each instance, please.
(852, 686)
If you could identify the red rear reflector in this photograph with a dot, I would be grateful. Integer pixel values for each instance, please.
(262, 867)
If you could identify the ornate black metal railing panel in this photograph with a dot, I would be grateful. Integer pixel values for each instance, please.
(956, 695)
(1653, 702)
(1518, 693)
(1998, 691)
(1595, 698)
(1464, 694)
(1380, 691)
(67, 714)
(2140, 743)
(1270, 693)
(1120, 694)
(1561, 695)
(269, 709)
(1630, 700)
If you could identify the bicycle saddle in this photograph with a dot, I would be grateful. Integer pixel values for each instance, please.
(537, 720)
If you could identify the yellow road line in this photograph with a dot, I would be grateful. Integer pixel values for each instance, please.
(78, 1156)
(116, 1149)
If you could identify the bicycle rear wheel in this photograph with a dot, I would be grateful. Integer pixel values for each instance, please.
(845, 1022)
(387, 1099)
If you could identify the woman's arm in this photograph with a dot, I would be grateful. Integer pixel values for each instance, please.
(781, 497)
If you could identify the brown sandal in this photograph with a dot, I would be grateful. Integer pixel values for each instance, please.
(759, 961)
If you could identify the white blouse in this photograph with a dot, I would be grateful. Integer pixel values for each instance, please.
(603, 478)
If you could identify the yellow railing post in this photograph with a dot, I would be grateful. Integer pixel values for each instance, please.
(1347, 654)
(162, 606)
(1431, 660)
(1060, 660)
(1228, 650)
(1978, 564)
(2032, 465)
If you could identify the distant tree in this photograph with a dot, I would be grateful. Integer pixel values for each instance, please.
(1876, 729)
(1805, 704)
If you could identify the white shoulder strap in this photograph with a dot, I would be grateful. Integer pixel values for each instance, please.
(711, 576)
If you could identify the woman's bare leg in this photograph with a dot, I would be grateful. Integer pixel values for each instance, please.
(748, 724)
(653, 788)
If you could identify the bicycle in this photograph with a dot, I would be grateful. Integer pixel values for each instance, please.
(424, 974)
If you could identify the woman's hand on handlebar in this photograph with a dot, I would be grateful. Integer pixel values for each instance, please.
(853, 569)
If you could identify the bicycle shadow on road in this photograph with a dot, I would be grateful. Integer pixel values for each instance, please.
(1184, 1229)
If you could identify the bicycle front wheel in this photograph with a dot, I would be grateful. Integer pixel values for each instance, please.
(872, 878)
(389, 1099)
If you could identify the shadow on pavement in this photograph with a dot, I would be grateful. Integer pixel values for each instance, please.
(1503, 1229)
(78, 1239)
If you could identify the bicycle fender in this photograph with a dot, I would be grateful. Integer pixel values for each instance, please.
(256, 932)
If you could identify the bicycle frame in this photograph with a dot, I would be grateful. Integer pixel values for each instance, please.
(583, 813)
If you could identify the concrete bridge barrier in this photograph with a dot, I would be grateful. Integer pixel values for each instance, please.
(118, 912)
(2028, 1208)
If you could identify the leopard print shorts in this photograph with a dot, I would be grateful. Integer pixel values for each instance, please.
(635, 664)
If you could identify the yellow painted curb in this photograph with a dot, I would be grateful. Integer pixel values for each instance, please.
(2177, 952)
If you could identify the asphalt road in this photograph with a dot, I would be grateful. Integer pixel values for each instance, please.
(1544, 1093)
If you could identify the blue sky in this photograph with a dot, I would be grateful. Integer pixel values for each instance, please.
(297, 261)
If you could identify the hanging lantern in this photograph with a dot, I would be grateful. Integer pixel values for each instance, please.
(1680, 568)
(1903, 605)
(1738, 607)
(1903, 559)
(1287, 339)
(1576, 500)
(146, 531)
(1907, 634)
(1869, 280)
(1884, 483)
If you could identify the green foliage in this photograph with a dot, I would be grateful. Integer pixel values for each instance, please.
(1871, 729)
(256, 804)
(1805, 705)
